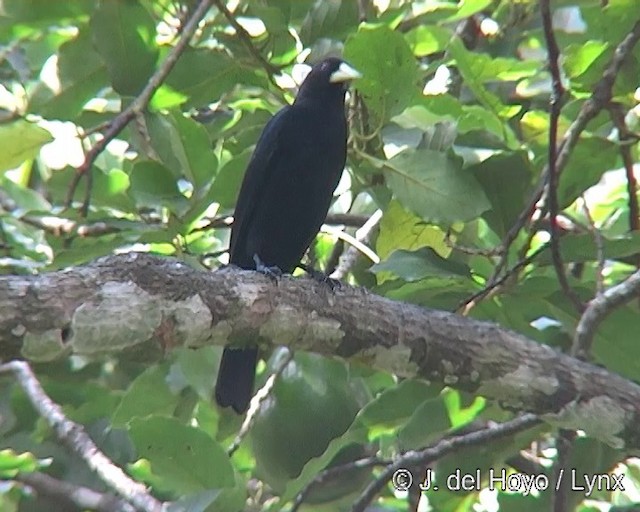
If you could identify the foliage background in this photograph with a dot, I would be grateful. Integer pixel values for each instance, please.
(449, 140)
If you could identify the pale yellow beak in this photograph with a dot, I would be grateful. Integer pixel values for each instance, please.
(344, 73)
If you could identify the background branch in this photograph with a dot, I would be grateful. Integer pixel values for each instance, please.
(74, 437)
(599, 308)
(136, 106)
(438, 450)
(600, 99)
(70, 495)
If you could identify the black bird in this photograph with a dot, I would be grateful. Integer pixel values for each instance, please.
(284, 198)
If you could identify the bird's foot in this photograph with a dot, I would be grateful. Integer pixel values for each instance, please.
(274, 273)
(321, 277)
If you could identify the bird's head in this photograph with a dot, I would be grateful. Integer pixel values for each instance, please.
(329, 77)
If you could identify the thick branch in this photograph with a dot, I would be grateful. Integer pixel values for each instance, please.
(138, 305)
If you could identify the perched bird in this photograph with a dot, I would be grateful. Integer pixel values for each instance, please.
(284, 198)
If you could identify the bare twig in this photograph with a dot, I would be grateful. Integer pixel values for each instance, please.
(464, 306)
(599, 308)
(599, 99)
(69, 494)
(334, 472)
(626, 140)
(136, 106)
(439, 450)
(350, 256)
(245, 37)
(260, 396)
(557, 91)
(472, 251)
(564, 448)
(76, 439)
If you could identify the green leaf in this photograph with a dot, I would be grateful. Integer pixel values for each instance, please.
(82, 74)
(392, 408)
(428, 422)
(281, 45)
(471, 69)
(190, 144)
(615, 343)
(227, 183)
(578, 58)
(196, 367)
(332, 19)
(401, 229)
(420, 264)
(26, 199)
(390, 73)
(124, 35)
(36, 12)
(467, 8)
(427, 39)
(20, 141)
(153, 185)
(486, 68)
(181, 456)
(110, 190)
(148, 394)
(590, 159)
(433, 185)
(12, 463)
(204, 75)
(506, 181)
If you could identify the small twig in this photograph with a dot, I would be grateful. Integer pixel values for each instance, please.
(353, 241)
(557, 91)
(136, 106)
(83, 134)
(472, 251)
(350, 256)
(440, 449)
(69, 494)
(599, 99)
(76, 439)
(260, 396)
(464, 306)
(334, 472)
(626, 139)
(564, 439)
(564, 448)
(245, 37)
(599, 308)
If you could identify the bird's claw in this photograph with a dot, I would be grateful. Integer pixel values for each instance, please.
(321, 277)
(274, 273)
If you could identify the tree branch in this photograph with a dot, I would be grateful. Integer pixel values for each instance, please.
(599, 99)
(598, 310)
(557, 91)
(137, 105)
(71, 495)
(76, 439)
(245, 37)
(140, 306)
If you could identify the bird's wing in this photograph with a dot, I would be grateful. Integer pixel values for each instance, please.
(263, 163)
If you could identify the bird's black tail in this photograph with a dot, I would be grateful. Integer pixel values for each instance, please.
(237, 371)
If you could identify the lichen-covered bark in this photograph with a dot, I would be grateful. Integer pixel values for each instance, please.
(144, 305)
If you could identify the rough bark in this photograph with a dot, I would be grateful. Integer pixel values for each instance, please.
(138, 305)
